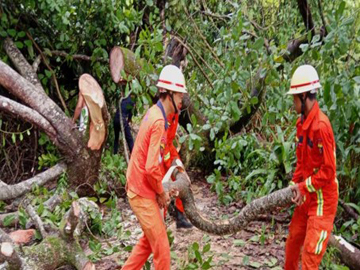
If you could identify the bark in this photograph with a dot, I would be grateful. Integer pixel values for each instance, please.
(306, 15)
(68, 137)
(53, 252)
(4, 237)
(280, 198)
(8, 192)
(21, 64)
(9, 254)
(349, 210)
(349, 254)
(29, 115)
(36, 219)
(258, 90)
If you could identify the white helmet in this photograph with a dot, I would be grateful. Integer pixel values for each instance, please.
(171, 78)
(304, 79)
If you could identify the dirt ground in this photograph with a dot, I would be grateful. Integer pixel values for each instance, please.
(259, 246)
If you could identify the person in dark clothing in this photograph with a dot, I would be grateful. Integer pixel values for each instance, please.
(127, 106)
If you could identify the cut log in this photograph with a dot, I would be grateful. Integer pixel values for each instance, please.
(116, 63)
(8, 254)
(124, 59)
(22, 236)
(95, 101)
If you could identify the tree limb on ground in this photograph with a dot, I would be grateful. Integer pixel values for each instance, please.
(13, 191)
(50, 204)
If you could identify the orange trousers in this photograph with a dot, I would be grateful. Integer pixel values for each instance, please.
(310, 232)
(155, 238)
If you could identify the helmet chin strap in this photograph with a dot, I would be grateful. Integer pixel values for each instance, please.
(173, 102)
(303, 100)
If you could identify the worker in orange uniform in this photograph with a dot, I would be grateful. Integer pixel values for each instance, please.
(314, 183)
(171, 154)
(145, 173)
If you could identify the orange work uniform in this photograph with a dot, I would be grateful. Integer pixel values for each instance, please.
(170, 153)
(315, 172)
(144, 182)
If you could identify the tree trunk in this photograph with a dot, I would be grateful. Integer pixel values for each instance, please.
(273, 201)
(83, 164)
(349, 254)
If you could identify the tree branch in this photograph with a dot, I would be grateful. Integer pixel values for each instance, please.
(196, 62)
(306, 15)
(322, 17)
(21, 64)
(203, 38)
(27, 114)
(36, 219)
(52, 71)
(14, 191)
(68, 137)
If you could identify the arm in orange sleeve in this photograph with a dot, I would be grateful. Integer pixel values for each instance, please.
(327, 170)
(152, 166)
(297, 176)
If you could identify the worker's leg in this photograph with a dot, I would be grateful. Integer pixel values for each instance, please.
(148, 213)
(139, 255)
(317, 236)
(295, 239)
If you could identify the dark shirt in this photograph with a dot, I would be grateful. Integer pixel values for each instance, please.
(127, 106)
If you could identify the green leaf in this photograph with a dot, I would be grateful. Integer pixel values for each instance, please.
(254, 100)
(8, 220)
(40, 209)
(258, 43)
(206, 265)
(48, 73)
(12, 32)
(206, 127)
(19, 44)
(235, 111)
(206, 248)
(198, 256)
(340, 10)
(239, 242)
(255, 264)
(3, 33)
(357, 79)
(195, 246)
(21, 34)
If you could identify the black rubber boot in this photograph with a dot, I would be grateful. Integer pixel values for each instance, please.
(181, 221)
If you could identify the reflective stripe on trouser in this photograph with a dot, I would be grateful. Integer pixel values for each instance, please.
(154, 239)
(311, 232)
